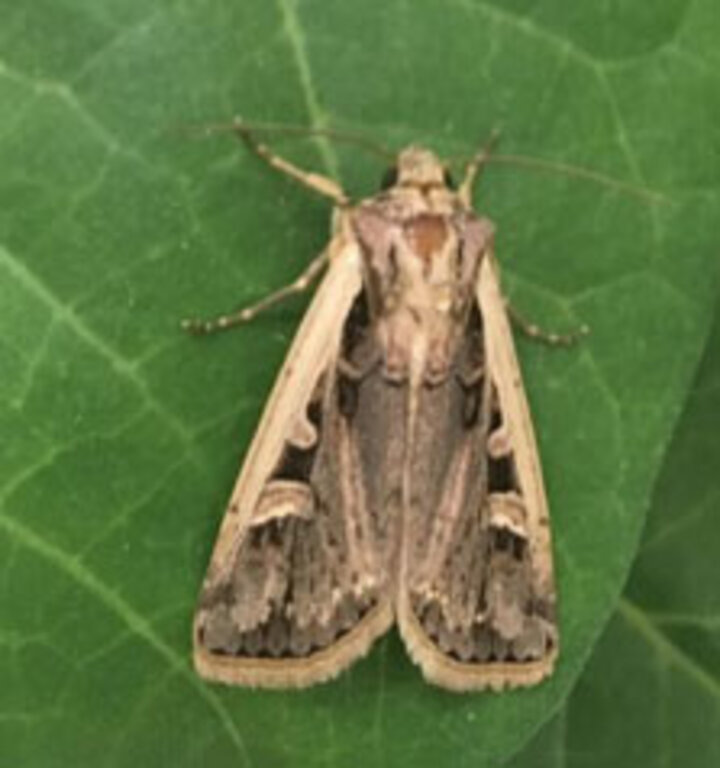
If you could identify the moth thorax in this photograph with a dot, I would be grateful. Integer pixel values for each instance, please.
(428, 235)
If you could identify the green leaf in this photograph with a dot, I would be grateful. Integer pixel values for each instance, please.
(122, 436)
(652, 687)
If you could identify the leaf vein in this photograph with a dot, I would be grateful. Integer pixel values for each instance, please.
(296, 38)
(124, 368)
(124, 611)
(667, 649)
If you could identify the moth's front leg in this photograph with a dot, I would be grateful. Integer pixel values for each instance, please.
(474, 168)
(323, 185)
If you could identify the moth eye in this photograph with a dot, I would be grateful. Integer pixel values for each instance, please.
(389, 178)
(448, 179)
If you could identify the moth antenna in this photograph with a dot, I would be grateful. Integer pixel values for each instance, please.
(291, 129)
(574, 171)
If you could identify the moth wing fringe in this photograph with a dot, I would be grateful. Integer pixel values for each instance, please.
(318, 667)
(464, 677)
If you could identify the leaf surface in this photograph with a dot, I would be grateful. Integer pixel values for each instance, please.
(122, 436)
(652, 686)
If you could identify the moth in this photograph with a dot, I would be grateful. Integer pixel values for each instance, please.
(394, 476)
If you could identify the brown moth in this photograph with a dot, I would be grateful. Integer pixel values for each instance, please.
(394, 476)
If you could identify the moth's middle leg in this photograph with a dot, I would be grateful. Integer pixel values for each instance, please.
(539, 334)
(244, 315)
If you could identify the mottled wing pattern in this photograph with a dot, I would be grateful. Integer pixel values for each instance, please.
(477, 604)
(295, 590)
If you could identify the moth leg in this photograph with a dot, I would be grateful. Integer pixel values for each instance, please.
(244, 315)
(474, 168)
(538, 334)
(315, 181)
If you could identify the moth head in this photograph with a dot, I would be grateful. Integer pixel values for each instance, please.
(417, 167)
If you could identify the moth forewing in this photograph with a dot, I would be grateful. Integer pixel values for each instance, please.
(521, 434)
(225, 648)
(490, 651)
(313, 351)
